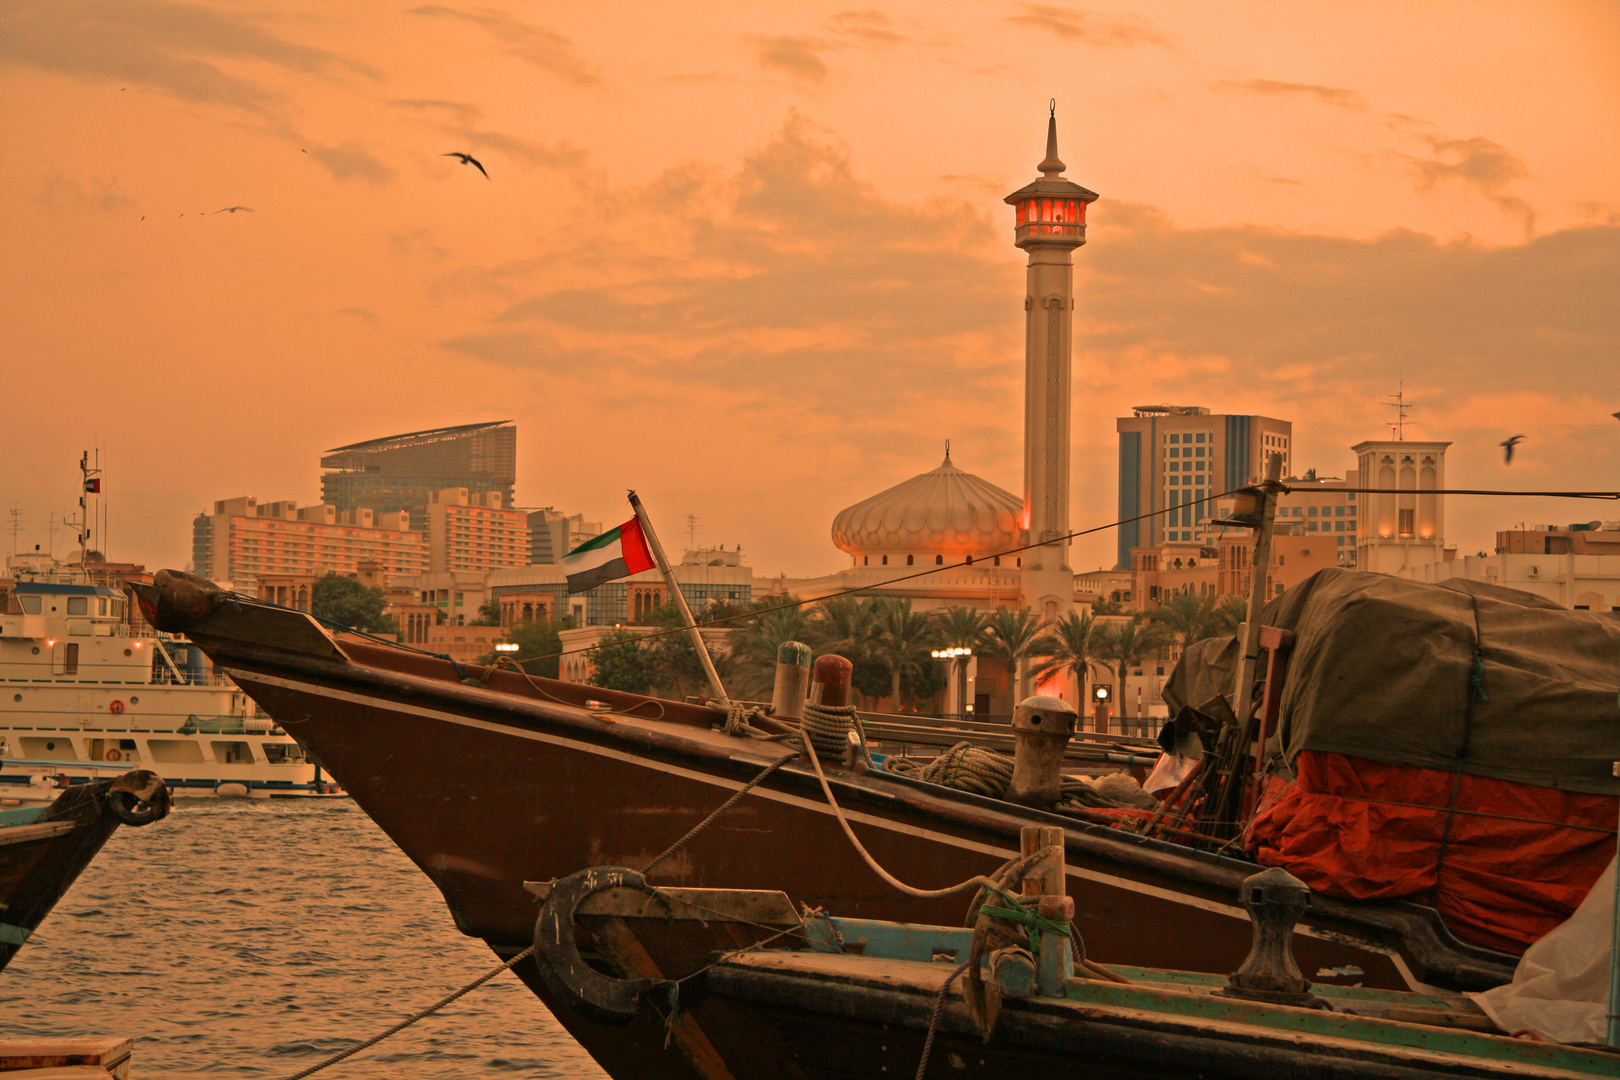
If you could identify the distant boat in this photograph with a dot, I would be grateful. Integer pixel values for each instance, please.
(44, 848)
(83, 697)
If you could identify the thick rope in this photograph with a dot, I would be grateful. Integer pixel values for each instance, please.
(828, 726)
(964, 767)
(403, 1024)
(933, 1018)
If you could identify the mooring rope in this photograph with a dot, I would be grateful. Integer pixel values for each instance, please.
(933, 1017)
(828, 726)
(964, 767)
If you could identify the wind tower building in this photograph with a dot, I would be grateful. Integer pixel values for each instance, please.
(1050, 222)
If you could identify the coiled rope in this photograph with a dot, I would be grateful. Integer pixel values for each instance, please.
(828, 726)
(964, 767)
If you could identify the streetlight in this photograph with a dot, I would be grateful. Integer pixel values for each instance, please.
(508, 646)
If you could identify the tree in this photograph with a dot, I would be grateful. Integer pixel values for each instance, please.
(489, 613)
(847, 626)
(1011, 639)
(344, 600)
(619, 662)
(754, 646)
(1188, 617)
(1107, 607)
(1076, 644)
(538, 650)
(1128, 644)
(904, 640)
(671, 660)
(1231, 613)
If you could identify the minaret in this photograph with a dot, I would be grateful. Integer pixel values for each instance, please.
(1051, 223)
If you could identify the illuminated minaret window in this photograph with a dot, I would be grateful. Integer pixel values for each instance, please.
(1050, 223)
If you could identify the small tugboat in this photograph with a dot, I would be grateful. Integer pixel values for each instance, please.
(43, 849)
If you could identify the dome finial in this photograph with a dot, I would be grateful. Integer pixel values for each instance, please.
(1053, 165)
(947, 449)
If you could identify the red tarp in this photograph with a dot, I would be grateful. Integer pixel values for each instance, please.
(1518, 859)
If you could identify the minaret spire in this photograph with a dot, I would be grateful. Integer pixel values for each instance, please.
(1053, 165)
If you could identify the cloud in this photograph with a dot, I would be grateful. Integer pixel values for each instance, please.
(540, 46)
(1087, 27)
(351, 161)
(62, 192)
(798, 56)
(156, 44)
(1337, 96)
(461, 112)
(1477, 162)
(870, 25)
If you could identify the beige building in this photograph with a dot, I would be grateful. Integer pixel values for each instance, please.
(1404, 527)
(474, 533)
(1576, 566)
(553, 534)
(243, 541)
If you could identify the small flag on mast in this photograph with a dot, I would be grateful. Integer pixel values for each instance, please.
(615, 554)
(93, 486)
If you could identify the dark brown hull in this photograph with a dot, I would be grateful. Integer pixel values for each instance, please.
(40, 859)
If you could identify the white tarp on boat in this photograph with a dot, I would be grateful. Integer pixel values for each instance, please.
(1560, 989)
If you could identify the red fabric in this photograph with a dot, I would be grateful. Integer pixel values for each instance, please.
(633, 545)
(1502, 883)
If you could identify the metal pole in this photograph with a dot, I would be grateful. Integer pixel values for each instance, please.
(680, 599)
(1614, 956)
(1243, 691)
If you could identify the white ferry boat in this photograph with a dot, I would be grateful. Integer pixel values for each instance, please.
(82, 698)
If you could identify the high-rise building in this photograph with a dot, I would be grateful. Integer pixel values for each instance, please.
(474, 533)
(401, 472)
(243, 541)
(1179, 457)
(553, 534)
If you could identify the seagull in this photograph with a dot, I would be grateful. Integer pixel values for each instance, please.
(468, 159)
(234, 209)
(1508, 447)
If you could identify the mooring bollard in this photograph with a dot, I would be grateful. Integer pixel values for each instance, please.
(830, 686)
(1048, 892)
(792, 680)
(1042, 727)
(1275, 899)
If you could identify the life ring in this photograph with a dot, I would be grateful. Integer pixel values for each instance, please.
(114, 755)
(115, 706)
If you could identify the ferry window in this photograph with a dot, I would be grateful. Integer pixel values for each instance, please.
(70, 657)
(78, 605)
(30, 605)
(101, 605)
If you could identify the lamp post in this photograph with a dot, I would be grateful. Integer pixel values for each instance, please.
(957, 655)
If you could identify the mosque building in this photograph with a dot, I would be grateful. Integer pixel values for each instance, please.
(948, 516)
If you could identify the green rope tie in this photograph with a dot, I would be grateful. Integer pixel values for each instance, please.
(1036, 924)
(1476, 679)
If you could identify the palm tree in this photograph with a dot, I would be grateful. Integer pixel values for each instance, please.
(1231, 613)
(903, 641)
(1188, 617)
(754, 647)
(1012, 639)
(1076, 644)
(848, 626)
(961, 628)
(1128, 644)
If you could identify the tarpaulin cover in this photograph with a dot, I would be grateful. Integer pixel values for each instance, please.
(1385, 669)
(1503, 864)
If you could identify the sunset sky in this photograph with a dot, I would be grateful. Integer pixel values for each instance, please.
(752, 260)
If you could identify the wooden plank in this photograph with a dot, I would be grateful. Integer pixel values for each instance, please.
(44, 830)
(703, 905)
(694, 1044)
(79, 1056)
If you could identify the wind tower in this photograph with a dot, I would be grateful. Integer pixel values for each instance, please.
(1050, 223)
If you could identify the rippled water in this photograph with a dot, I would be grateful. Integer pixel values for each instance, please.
(253, 939)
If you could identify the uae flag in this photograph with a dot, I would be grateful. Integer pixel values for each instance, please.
(615, 554)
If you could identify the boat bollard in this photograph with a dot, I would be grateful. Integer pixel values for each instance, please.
(1275, 899)
(830, 686)
(1047, 891)
(1042, 727)
(792, 680)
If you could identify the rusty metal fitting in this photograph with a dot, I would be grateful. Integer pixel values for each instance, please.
(1042, 727)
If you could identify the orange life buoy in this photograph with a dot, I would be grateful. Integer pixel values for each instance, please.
(114, 755)
(116, 706)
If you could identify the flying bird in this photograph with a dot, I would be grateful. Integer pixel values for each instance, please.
(234, 209)
(468, 159)
(1508, 446)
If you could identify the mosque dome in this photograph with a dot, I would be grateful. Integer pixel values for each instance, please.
(943, 512)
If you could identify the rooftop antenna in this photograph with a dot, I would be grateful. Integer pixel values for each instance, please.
(50, 535)
(16, 512)
(691, 532)
(1398, 403)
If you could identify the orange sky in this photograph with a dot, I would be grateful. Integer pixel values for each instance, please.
(754, 263)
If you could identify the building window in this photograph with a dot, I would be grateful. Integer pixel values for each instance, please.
(1407, 522)
(1312, 511)
(1199, 438)
(910, 560)
(939, 560)
(885, 560)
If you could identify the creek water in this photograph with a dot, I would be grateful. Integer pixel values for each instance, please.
(253, 939)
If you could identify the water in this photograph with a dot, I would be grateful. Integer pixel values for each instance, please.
(253, 939)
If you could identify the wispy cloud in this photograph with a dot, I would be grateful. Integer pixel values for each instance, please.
(798, 56)
(1482, 164)
(460, 111)
(61, 192)
(540, 46)
(1087, 27)
(1337, 96)
(166, 46)
(869, 24)
(351, 161)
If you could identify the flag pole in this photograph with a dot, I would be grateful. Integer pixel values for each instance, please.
(679, 598)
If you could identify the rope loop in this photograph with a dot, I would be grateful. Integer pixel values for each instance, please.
(828, 726)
